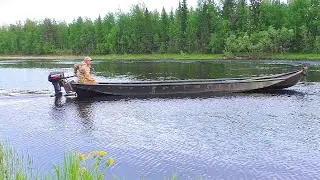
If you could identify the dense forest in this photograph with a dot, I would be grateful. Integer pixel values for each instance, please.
(227, 26)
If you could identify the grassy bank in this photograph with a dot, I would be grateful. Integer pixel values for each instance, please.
(283, 56)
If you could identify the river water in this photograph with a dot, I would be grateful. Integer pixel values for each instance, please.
(239, 136)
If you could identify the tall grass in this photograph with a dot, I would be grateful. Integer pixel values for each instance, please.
(76, 166)
(81, 167)
(13, 166)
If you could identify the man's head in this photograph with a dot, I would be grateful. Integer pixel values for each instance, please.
(87, 60)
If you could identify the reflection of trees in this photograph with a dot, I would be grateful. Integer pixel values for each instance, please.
(189, 69)
(39, 64)
(175, 69)
(313, 74)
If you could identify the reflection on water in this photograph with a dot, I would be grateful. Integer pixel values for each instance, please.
(126, 70)
(85, 112)
(83, 108)
(273, 135)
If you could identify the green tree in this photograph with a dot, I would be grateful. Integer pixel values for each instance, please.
(183, 12)
(255, 13)
(147, 34)
(63, 37)
(173, 34)
(164, 29)
(110, 35)
(192, 44)
(50, 36)
(298, 13)
(242, 22)
(100, 47)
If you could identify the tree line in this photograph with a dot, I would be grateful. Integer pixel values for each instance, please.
(232, 26)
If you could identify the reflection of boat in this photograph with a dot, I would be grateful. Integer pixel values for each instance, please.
(190, 87)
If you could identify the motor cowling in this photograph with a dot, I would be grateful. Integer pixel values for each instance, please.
(55, 76)
(58, 80)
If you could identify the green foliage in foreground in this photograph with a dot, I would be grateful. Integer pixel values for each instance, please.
(12, 166)
(82, 167)
(77, 166)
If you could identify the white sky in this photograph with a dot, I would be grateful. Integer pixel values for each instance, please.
(12, 11)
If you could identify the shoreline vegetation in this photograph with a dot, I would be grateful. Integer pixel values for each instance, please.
(266, 56)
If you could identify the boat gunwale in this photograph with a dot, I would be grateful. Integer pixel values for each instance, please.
(278, 77)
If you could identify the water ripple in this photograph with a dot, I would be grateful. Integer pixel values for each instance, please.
(274, 135)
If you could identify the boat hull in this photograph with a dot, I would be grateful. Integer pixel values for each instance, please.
(189, 87)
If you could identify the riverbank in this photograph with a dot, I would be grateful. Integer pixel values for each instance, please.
(283, 56)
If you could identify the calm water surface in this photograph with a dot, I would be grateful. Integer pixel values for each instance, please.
(242, 136)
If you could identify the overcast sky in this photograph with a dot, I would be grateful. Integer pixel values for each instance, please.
(12, 11)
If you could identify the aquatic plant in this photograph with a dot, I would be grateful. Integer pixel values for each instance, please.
(79, 166)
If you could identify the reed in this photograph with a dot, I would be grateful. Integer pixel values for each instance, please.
(13, 166)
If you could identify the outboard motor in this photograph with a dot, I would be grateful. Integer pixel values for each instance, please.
(58, 80)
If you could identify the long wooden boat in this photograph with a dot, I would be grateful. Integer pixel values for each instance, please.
(190, 87)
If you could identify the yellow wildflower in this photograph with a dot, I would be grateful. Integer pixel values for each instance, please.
(102, 153)
(82, 156)
(93, 153)
(110, 162)
(97, 153)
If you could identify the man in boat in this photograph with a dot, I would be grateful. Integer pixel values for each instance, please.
(83, 71)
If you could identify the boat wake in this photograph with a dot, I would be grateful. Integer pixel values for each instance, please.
(21, 92)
